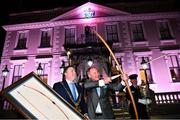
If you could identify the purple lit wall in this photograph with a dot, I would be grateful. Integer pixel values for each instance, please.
(100, 16)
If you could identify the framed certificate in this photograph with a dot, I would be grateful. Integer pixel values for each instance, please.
(36, 100)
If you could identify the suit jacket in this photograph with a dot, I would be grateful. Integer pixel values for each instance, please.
(64, 91)
(141, 109)
(93, 99)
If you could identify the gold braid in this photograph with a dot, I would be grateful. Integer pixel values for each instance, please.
(77, 107)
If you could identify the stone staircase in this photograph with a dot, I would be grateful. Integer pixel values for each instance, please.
(121, 114)
(121, 107)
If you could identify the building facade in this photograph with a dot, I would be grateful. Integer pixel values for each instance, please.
(151, 37)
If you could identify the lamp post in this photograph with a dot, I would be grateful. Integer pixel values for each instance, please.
(145, 66)
(146, 90)
(39, 70)
(62, 67)
(5, 72)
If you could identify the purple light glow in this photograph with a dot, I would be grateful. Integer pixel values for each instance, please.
(102, 17)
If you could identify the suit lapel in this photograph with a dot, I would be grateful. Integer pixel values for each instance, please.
(103, 90)
(67, 87)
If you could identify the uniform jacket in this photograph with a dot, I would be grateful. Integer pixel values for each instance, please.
(135, 92)
(141, 109)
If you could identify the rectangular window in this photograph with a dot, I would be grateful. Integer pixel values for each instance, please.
(45, 39)
(174, 68)
(44, 75)
(70, 36)
(114, 68)
(137, 32)
(17, 73)
(22, 41)
(112, 33)
(164, 30)
(90, 37)
(146, 73)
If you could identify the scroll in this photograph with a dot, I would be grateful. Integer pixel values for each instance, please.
(36, 100)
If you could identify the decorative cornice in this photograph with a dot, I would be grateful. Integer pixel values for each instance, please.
(43, 56)
(144, 53)
(170, 51)
(19, 58)
(134, 17)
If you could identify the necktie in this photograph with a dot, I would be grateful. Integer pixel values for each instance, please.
(98, 108)
(73, 91)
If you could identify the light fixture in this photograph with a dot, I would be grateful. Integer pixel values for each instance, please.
(144, 64)
(62, 67)
(90, 62)
(5, 72)
(68, 53)
(39, 69)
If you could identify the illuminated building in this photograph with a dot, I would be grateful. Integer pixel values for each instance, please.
(133, 34)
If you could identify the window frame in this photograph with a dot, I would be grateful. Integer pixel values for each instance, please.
(26, 32)
(169, 67)
(17, 76)
(147, 71)
(143, 31)
(169, 29)
(50, 34)
(117, 32)
(92, 36)
(75, 36)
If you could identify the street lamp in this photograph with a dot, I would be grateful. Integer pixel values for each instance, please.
(5, 72)
(62, 67)
(68, 54)
(145, 66)
(39, 70)
(90, 62)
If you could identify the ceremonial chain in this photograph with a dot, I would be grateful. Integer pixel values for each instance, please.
(69, 94)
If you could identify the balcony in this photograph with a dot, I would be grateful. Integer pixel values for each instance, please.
(83, 42)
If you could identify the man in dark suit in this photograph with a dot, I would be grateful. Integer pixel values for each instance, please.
(99, 106)
(71, 91)
(135, 90)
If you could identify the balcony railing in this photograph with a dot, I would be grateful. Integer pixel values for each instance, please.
(84, 41)
(167, 98)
